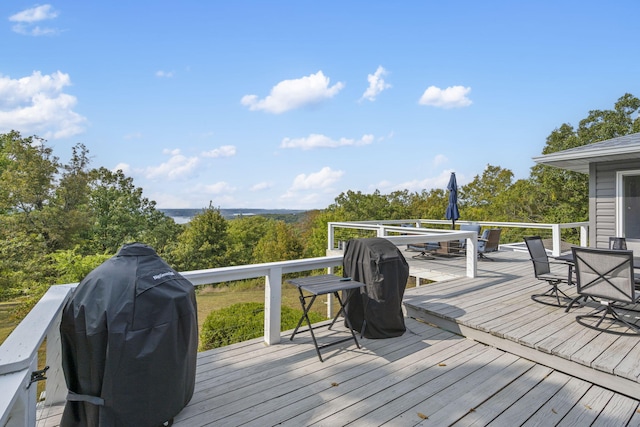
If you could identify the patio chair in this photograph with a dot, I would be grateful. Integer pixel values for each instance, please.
(606, 276)
(488, 242)
(618, 243)
(456, 247)
(543, 271)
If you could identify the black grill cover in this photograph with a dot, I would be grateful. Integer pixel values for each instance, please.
(380, 265)
(129, 342)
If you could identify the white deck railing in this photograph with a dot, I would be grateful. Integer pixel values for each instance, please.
(388, 227)
(19, 352)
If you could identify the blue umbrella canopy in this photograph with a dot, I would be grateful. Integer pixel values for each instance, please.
(452, 212)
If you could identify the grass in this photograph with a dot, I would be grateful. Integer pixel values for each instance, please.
(209, 298)
(7, 320)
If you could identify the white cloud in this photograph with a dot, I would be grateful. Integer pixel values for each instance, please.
(317, 140)
(134, 135)
(176, 167)
(440, 159)
(451, 97)
(124, 167)
(261, 186)
(318, 180)
(25, 20)
(165, 74)
(376, 84)
(221, 187)
(223, 151)
(290, 94)
(429, 183)
(36, 104)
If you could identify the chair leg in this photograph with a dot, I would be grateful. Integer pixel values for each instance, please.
(554, 291)
(573, 301)
(619, 318)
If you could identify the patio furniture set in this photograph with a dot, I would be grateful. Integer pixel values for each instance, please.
(603, 276)
(488, 242)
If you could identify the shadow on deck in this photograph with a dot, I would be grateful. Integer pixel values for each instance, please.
(526, 364)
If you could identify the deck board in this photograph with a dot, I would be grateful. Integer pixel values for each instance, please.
(527, 364)
(522, 321)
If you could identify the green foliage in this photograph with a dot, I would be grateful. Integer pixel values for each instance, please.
(244, 233)
(357, 206)
(121, 214)
(244, 321)
(203, 243)
(71, 266)
(58, 221)
(279, 243)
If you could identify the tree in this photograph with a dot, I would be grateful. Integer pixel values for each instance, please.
(279, 244)
(244, 234)
(27, 185)
(483, 198)
(120, 213)
(430, 204)
(563, 195)
(203, 243)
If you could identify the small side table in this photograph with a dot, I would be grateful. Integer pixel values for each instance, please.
(322, 285)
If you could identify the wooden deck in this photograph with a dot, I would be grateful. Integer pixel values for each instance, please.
(527, 364)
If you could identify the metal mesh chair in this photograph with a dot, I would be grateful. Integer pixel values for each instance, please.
(618, 243)
(607, 277)
(542, 270)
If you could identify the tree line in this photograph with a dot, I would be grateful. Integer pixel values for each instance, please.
(58, 221)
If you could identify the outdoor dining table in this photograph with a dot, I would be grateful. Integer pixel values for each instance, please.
(568, 258)
(313, 286)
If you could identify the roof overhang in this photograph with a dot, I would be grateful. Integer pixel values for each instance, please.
(578, 159)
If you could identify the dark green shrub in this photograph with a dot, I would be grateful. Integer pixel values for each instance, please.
(242, 322)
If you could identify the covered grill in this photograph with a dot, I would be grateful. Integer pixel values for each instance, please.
(129, 342)
(380, 265)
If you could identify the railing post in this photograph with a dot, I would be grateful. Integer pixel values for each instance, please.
(556, 239)
(272, 306)
(331, 234)
(584, 236)
(472, 256)
(56, 390)
(330, 270)
(23, 412)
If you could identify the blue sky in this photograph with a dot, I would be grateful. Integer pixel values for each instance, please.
(286, 104)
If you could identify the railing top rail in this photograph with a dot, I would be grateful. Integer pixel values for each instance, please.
(21, 346)
(372, 224)
(19, 349)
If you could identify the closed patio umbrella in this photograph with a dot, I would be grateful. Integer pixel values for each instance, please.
(452, 212)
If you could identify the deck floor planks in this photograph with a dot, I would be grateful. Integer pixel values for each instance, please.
(629, 367)
(532, 324)
(560, 403)
(484, 414)
(426, 383)
(253, 384)
(466, 392)
(534, 399)
(585, 412)
(294, 379)
(422, 364)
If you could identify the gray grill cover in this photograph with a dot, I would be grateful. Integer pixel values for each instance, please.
(380, 265)
(129, 342)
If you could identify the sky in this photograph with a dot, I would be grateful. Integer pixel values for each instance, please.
(288, 104)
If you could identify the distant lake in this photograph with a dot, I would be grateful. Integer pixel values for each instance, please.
(182, 216)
